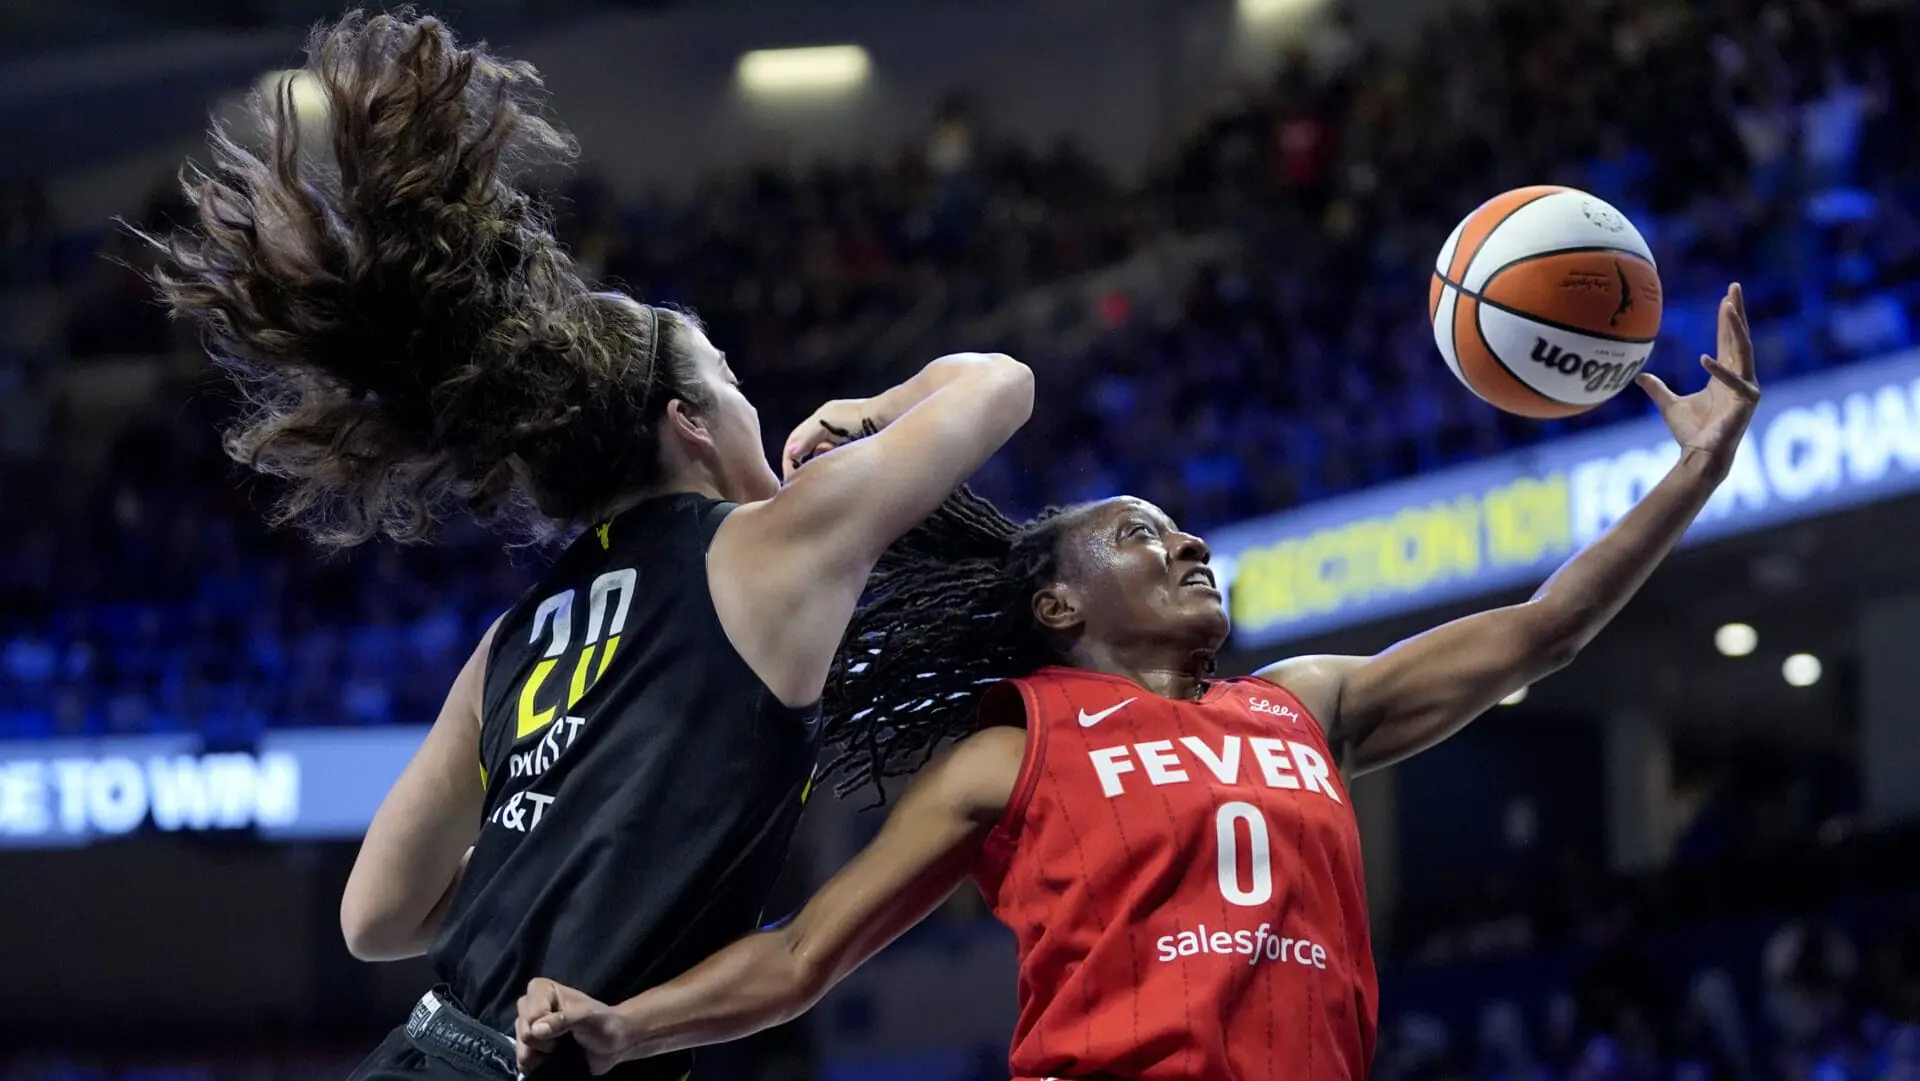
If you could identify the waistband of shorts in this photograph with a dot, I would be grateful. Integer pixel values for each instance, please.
(439, 1027)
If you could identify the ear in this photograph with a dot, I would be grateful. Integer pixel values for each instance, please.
(1056, 608)
(687, 424)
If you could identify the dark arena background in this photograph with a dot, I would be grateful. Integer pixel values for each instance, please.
(1208, 227)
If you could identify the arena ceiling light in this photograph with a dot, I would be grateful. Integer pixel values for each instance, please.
(1735, 640)
(813, 70)
(1261, 12)
(1801, 670)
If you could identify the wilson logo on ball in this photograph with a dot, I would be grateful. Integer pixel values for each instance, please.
(1595, 375)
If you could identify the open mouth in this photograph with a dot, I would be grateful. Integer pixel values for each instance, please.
(1201, 577)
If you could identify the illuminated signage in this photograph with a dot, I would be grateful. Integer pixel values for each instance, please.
(319, 784)
(1817, 444)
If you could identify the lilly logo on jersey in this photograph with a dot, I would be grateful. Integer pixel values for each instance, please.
(1257, 945)
(1274, 709)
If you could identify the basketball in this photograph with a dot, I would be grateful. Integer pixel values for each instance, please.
(1545, 301)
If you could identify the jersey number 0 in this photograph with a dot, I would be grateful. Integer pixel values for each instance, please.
(1226, 828)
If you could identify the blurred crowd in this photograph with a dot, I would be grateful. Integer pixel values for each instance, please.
(1287, 360)
(1829, 995)
(1756, 140)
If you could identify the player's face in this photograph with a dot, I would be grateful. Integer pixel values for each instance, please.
(1129, 574)
(732, 446)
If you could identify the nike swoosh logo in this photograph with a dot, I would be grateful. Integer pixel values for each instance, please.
(1088, 720)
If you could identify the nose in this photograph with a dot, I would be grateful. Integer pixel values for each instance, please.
(1188, 548)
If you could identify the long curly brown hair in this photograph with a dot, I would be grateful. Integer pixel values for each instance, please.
(409, 338)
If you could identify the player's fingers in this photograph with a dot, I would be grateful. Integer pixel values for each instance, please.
(1741, 356)
(793, 456)
(1727, 340)
(551, 1025)
(534, 1002)
(802, 439)
(1727, 374)
(1657, 390)
(806, 453)
(542, 996)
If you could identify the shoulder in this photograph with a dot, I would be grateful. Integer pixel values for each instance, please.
(468, 694)
(762, 540)
(800, 518)
(1314, 680)
(484, 650)
(1049, 693)
(975, 778)
(707, 515)
(480, 661)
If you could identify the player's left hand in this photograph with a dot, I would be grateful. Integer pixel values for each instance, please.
(550, 1012)
(1713, 419)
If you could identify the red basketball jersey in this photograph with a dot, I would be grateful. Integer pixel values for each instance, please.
(1184, 883)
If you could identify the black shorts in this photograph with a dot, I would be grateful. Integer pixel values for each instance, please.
(440, 1042)
(397, 1058)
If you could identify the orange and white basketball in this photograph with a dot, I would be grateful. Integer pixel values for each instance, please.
(1545, 301)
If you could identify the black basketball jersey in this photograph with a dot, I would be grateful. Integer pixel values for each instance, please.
(642, 783)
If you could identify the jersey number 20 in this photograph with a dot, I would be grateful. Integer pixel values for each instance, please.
(553, 620)
(1226, 826)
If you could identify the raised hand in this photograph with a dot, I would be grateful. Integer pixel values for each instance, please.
(1712, 419)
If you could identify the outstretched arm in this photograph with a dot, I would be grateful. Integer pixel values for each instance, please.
(1382, 709)
(924, 851)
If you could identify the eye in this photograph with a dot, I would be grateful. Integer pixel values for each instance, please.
(1137, 529)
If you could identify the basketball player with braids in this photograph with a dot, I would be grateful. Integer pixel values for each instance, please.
(1176, 854)
(612, 784)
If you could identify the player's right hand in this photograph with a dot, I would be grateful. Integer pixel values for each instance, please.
(550, 1012)
(830, 425)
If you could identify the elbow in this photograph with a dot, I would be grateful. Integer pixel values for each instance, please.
(1013, 386)
(1552, 638)
(361, 934)
(1555, 646)
(362, 943)
(1553, 656)
(368, 937)
(809, 976)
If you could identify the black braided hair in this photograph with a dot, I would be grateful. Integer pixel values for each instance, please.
(948, 613)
